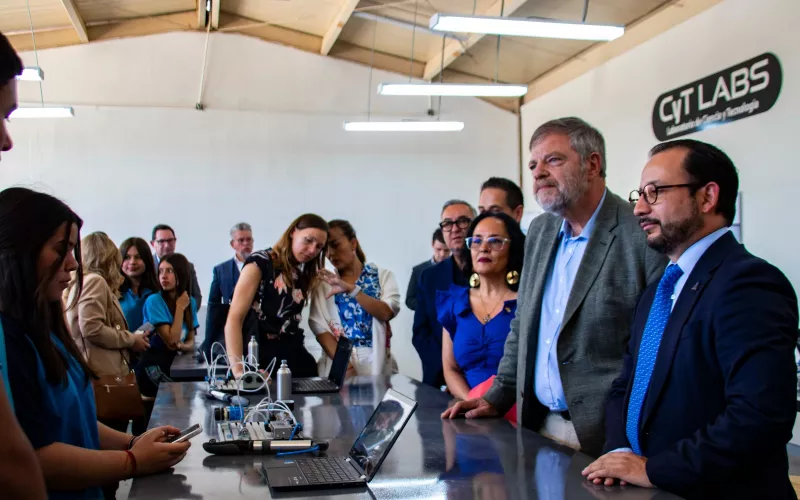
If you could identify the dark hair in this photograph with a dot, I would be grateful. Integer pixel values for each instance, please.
(583, 138)
(438, 235)
(514, 197)
(283, 259)
(706, 163)
(149, 278)
(10, 63)
(181, 266)
(28, 219)
(161, 227)
(350, 234)
(516, 254)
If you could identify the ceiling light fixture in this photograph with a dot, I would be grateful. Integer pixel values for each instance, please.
(507, 26)
(453, 89)
(404, 126)
(31, 74)
(43, 112)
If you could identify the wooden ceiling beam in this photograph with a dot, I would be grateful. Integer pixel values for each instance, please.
(455, 48)
(646, 28)
(215, 4)
(332, 34)
(76, 20)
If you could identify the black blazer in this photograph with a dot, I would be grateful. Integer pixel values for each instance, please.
(411, 292)
(721, 402)
(427, 331)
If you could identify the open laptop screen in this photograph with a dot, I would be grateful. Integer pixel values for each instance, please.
(380, 433)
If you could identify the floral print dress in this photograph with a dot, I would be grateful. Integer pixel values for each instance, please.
(356, 321)
(278, 308)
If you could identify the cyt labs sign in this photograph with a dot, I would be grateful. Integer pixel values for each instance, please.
(740, 91)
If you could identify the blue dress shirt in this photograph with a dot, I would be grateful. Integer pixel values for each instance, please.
(557, 288)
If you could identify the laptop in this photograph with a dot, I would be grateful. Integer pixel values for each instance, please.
(365, 457)
(319, 385)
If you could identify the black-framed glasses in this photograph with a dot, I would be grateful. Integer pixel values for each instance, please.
(494, 243)
(650, 192)
(461, 222)
(166, 241)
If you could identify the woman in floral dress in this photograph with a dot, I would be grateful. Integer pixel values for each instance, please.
(270, 295)
(357, 301)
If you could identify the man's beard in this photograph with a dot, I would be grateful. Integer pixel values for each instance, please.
(674, 233)
(573, 188)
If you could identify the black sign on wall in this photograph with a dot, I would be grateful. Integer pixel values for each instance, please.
(741, 91)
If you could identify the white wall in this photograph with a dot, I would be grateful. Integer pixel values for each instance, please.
(618, 99)
(269, 147)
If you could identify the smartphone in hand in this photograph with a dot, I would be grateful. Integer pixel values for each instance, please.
(186, 434)
(146, 328)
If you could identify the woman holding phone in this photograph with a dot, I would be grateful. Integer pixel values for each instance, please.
(48, 378)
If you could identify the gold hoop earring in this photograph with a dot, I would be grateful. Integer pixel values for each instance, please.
(512, 278)
(474, 280)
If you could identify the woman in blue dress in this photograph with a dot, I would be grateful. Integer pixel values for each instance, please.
(477, 320)
(50, 383)
(141, 280)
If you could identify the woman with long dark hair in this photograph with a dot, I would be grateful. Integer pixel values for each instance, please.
(272, 290)
(357, 302)
(173, 314)
(49, 380)
(477, 320)
(140, 280)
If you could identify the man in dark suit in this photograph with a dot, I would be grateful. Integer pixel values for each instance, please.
(440, 252)
(705, 403)
(223, 283)
(586, 263)
(163, 242)
(427, 331)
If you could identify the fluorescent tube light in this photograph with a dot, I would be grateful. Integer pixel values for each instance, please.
(453, 89)
(44, 112)
(407, 126)
(32, 74)
(509, 26)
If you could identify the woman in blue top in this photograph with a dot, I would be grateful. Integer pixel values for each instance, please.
(173, 314)
(477, 320)
(49, 380)
(139, 272)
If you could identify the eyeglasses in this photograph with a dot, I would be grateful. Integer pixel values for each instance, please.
(461, 222)
(166, 241)
(650, 192)
(494, 244)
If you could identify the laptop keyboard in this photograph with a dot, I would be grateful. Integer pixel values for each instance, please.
(313, 385)
(327, 470)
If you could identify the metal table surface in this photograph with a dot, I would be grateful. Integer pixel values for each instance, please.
(432, 458)
(186, 368)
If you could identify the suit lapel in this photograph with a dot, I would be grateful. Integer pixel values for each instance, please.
(593, 259)
(541, 260)
(702, 273)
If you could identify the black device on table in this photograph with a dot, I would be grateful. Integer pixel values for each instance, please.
(319, 385)
(365, 457)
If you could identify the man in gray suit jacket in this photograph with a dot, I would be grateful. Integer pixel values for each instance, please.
(586, 263)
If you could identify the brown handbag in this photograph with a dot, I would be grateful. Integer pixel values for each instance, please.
(118, 398)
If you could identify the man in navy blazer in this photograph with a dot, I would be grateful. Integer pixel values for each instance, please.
(223, 283)
(427, 331)
(705, 403)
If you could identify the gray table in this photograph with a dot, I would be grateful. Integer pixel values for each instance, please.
(431, 459)
(186, 368)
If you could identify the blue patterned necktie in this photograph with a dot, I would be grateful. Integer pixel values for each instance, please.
(648, 350)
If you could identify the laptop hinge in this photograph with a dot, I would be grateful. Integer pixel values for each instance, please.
(358, 468)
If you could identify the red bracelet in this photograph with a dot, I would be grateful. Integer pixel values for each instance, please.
(132, 458)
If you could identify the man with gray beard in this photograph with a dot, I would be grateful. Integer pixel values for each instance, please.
(586, 264)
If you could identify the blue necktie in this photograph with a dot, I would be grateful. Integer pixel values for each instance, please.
(648, 350)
